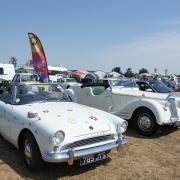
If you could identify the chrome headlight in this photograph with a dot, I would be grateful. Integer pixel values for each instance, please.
(121, 128)
(57, 138)
(166, 106)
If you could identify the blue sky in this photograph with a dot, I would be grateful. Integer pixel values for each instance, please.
(94, 34)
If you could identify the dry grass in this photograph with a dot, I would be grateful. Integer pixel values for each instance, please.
(143, 158)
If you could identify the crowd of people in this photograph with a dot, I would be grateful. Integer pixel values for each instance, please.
(172, 82)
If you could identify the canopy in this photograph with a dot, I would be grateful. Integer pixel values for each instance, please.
(80, 73)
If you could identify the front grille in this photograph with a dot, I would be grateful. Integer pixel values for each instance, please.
(88, 141)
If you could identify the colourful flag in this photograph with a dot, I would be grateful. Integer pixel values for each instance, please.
(38, 58)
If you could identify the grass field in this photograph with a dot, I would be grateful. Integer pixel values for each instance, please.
(143, 158)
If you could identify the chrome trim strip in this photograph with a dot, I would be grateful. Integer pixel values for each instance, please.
(71, 155)
(88, 141)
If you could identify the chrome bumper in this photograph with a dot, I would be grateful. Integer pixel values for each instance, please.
(174, 122)
(177, 123)
(72, 154)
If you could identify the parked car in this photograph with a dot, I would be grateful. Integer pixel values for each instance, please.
(23, 78)
(154, 86)
(65, 80)
(7, 72)
(5, 87)
(147, 109)
(40, 120)
(149, 85)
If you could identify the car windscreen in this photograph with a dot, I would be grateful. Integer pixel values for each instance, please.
(160, 87)
(32, 93)
(125, 83)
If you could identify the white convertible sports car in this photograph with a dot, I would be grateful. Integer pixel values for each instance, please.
(40, 120)
(148, 110)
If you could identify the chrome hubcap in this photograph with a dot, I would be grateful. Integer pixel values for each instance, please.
(28, 152)
(144, 122)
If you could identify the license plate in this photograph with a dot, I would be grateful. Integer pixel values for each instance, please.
(93, 158)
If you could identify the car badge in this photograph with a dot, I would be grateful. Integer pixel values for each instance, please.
(70, 110)
(93, 118)
(45, 111)
(91, 128)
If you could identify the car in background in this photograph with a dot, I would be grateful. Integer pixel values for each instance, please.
(87, 81)
(149, 85)
(147, 109)
(7, 72)
(153, 86)
(23, 78)
(66, 80)
(41, 121)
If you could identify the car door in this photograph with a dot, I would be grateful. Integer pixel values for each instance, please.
(122, 99)
(99, 97)
(14, 122)
(2, 119)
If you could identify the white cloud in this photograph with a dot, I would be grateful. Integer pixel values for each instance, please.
(159, 51)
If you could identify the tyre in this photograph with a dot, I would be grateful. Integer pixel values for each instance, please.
(145, 122)
(31, 152)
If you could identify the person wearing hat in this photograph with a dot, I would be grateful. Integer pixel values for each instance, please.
(173, 83)
(157, 78)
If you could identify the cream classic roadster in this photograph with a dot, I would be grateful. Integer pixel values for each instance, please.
(146, 108)
(40, 120)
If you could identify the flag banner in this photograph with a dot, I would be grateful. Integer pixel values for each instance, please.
(38, 58)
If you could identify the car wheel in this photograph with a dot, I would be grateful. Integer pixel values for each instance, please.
(145, 122)
(32, 153)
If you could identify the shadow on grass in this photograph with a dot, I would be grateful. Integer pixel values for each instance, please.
(13, 158)
(163, 131)
(10, 156)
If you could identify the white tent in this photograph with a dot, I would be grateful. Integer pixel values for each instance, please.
(100, 74)
(114, 74)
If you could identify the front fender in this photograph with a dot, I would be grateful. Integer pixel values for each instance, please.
(162, 115)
